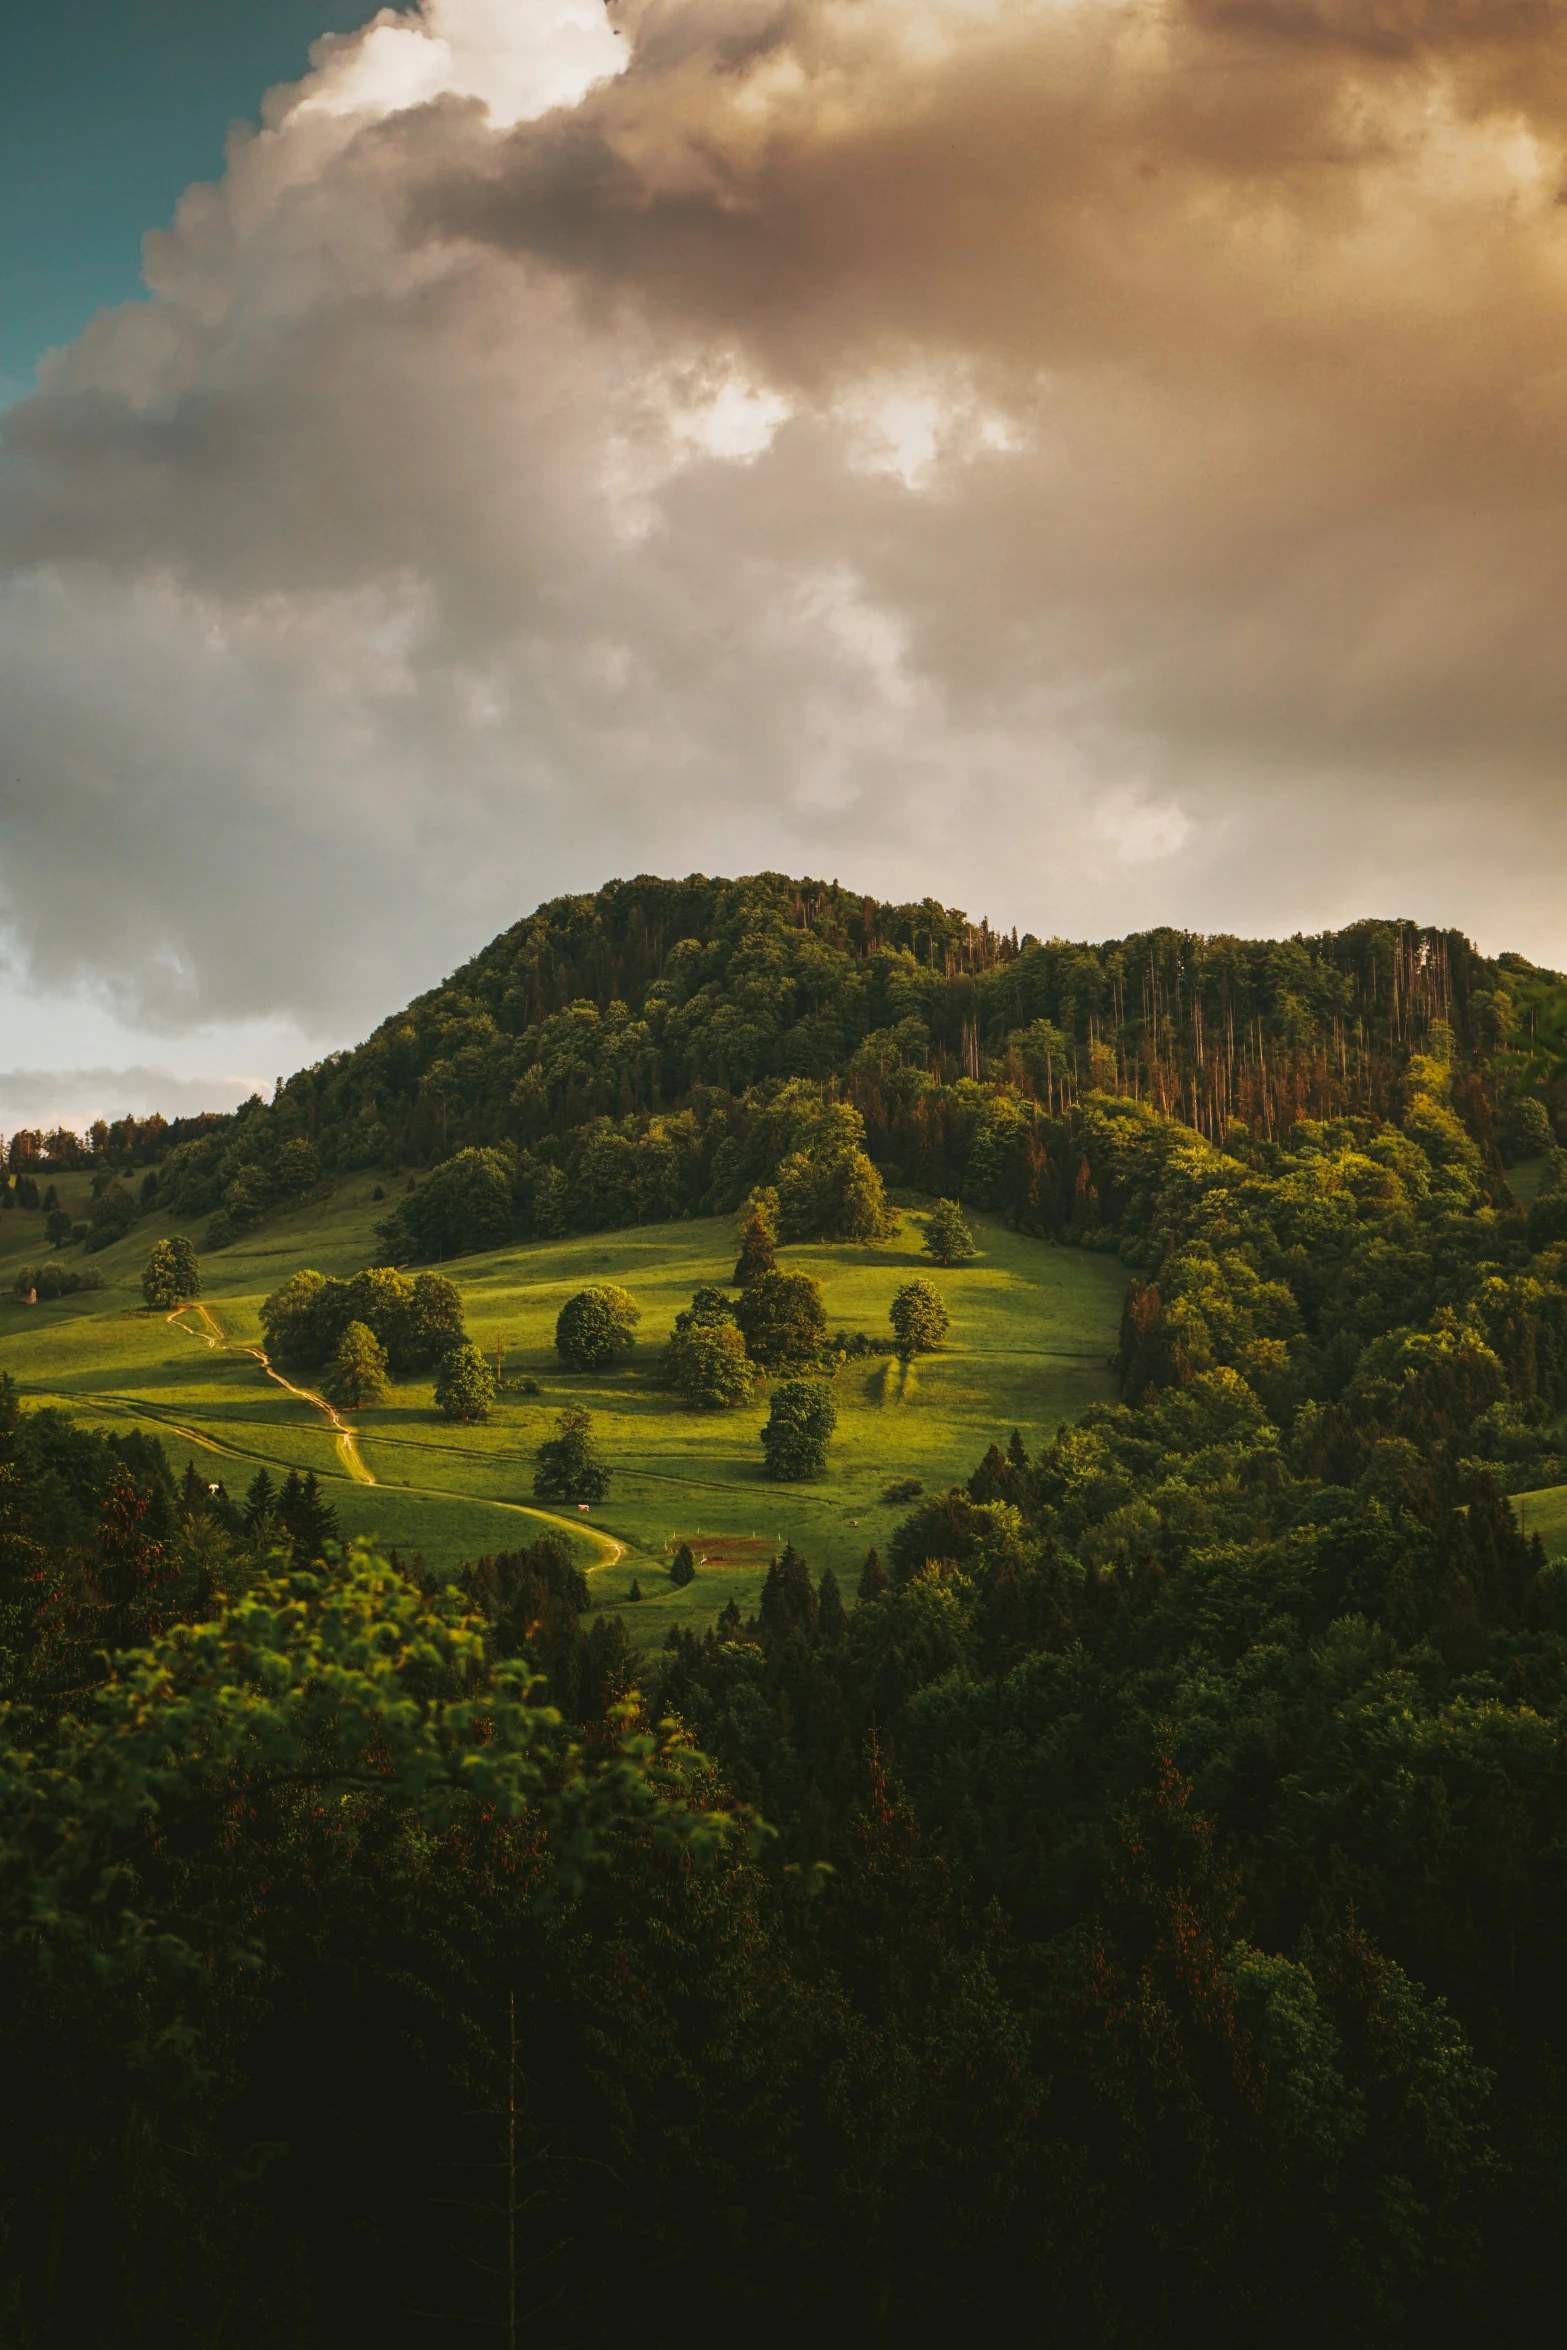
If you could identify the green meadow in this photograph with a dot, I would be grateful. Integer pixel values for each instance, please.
(1033, 1327)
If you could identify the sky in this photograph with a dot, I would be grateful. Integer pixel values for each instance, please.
(1098, 462)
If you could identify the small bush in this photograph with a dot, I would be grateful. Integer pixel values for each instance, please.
(903, 1489)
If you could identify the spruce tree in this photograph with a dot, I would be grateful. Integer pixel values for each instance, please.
(788, 1603)
(831, 1620)
(260, 1503)
(757, 1255)
(682, 1568)
(873, 1582)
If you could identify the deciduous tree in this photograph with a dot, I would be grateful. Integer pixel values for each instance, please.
(919, 1317)
(800, 1423)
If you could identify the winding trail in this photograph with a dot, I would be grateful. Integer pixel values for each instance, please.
(354, 1463)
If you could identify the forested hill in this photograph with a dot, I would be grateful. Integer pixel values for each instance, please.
(656, 1047)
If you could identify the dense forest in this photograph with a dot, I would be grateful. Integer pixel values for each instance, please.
(1136, 1913)
(656, 1049)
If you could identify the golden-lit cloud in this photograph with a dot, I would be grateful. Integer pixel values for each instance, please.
(1099, 462)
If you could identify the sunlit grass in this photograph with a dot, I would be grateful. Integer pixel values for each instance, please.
(1032, 1329)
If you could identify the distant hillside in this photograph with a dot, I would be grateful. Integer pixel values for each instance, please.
(660, 1046)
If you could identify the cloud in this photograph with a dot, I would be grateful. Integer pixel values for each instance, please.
(1099, 462)
(75, 1097)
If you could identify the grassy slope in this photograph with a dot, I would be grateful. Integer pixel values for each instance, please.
(1032, 1329)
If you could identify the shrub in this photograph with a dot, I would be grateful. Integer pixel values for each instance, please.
(919, 1317)
(596, 1327)
(799, 1425)
(465, 1384)
(903, 1489)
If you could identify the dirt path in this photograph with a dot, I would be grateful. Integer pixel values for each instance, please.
(348, 1451)
(347, 1438)
(214, 1334)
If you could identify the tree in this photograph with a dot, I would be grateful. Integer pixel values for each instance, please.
(358, 1373)
(758, 1238)
(596, 1327)
(873, 1583)
(260, 1503)
(57, 1229)
(783, 1320)
(296, 1167)
(1528, 1129)
(947, 1238)
(306, 1516)
(569, 1467)
(710, 1367)
(682, 1567)
(172, 1275)
(464, 1383)
(463, 1204)
(435, 1320)
(788, 1603)
(800, 1422)
(919, 1317)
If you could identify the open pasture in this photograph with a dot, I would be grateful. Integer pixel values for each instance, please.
(1032, 1330)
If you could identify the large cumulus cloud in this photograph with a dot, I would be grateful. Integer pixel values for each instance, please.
(1101, 462)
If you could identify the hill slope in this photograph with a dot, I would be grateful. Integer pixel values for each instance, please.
(1033, 1332)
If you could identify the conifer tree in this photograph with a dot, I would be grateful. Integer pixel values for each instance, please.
(873, 1582)
(831, 1620)
(757, 1253)
(682, 1567)
(260, 1503)
(788, 1602)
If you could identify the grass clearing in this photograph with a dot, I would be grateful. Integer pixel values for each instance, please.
(1033, 1327)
